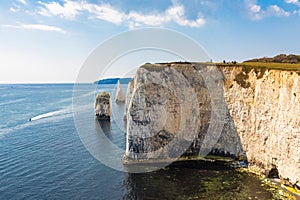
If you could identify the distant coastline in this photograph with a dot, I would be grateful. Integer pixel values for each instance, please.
(113, 81)
(281, 58)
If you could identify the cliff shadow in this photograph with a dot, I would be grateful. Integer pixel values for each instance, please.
(105, 125)
(112, 131)
(229, 143)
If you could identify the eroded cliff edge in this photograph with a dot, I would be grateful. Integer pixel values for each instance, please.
(265, 107)
(260, 115)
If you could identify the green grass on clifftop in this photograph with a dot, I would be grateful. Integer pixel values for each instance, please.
(265, 65)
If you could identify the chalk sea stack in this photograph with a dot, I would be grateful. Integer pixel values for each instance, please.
(120, 97)
(103, 106)
(169, 113)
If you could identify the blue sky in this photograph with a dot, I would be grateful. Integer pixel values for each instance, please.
(48, 40)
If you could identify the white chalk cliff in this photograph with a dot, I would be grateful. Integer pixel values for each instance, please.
(249, 114)
(171, 106)
(128, 97)
(265, 107)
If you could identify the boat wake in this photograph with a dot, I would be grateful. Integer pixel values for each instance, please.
(50, 114)
(39, 119)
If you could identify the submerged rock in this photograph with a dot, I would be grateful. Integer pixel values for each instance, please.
(103, 106)
(120, 97)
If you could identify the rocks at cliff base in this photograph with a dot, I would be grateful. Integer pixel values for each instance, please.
(103, 106)
(120, 97)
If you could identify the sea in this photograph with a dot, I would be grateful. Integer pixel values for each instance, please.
(43, 156)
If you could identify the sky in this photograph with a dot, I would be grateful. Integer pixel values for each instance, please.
(48, 41)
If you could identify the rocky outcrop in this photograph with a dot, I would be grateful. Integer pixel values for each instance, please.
(175, 110)
(192, 108)
(120, 97)
(103, 106)
(265, 107)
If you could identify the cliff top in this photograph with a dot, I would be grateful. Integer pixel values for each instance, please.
(246, 65)
(264, 65)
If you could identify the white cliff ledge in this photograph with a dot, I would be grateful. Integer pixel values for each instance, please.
(195, 108)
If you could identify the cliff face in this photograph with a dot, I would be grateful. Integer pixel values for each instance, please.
(265, 107)
(172, 109)
(128, 97)
(195, 109)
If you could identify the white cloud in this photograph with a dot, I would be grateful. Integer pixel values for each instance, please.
(177, 14)
(275, 10)
(255, 11)
(71, 9)
(13, 9)
(291, 1)
(150, 19)
(23, 2)
(40, 27)
(104, 12)
(255, 8)
(296, 2)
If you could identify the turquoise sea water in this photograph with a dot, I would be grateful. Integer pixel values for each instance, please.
(45, 158)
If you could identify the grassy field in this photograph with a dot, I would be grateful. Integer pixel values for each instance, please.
(247, 66)
(265, 65)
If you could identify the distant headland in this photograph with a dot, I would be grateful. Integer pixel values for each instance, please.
(264, 62)
(281, 58)
(113, 81)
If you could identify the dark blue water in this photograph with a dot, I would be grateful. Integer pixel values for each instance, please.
(45, 158)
